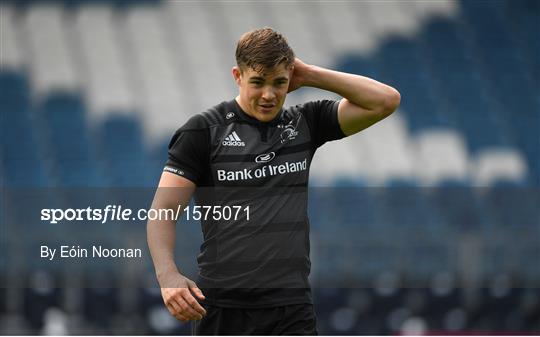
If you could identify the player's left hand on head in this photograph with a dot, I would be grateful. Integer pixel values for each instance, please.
(297, 78)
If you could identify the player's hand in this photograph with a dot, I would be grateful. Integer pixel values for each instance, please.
(181, 298)
(298, 76)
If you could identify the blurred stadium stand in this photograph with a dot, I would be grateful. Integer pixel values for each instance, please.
(434, 211)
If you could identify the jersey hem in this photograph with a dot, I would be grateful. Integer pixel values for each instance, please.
(230, 304)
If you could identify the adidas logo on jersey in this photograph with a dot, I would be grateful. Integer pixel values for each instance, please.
(233, 140)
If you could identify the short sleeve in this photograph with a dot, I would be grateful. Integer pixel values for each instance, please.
(188, 152)
(323, 121)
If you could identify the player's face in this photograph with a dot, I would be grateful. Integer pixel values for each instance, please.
(262, 94)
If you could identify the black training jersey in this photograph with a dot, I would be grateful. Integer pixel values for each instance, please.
(236, 160)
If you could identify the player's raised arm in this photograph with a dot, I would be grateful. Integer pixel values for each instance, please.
(365, 101)
(179, 293)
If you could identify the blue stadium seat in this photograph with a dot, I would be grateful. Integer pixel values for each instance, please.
(62, 116)
(121, 146)
(23, 165)
(512, 206)
(357, 64)
(442, 37)
(458, 206)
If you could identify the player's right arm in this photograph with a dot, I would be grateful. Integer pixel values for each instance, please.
(179, 293)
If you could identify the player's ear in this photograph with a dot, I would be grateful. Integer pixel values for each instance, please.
(237, 73)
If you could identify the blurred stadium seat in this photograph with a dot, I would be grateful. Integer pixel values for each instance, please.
(429, 219)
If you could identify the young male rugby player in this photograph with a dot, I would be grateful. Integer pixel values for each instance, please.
(250, 151)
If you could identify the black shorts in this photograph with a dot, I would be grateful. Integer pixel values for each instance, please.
(297, 319)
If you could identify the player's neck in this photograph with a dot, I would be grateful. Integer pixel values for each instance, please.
(244, 107)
